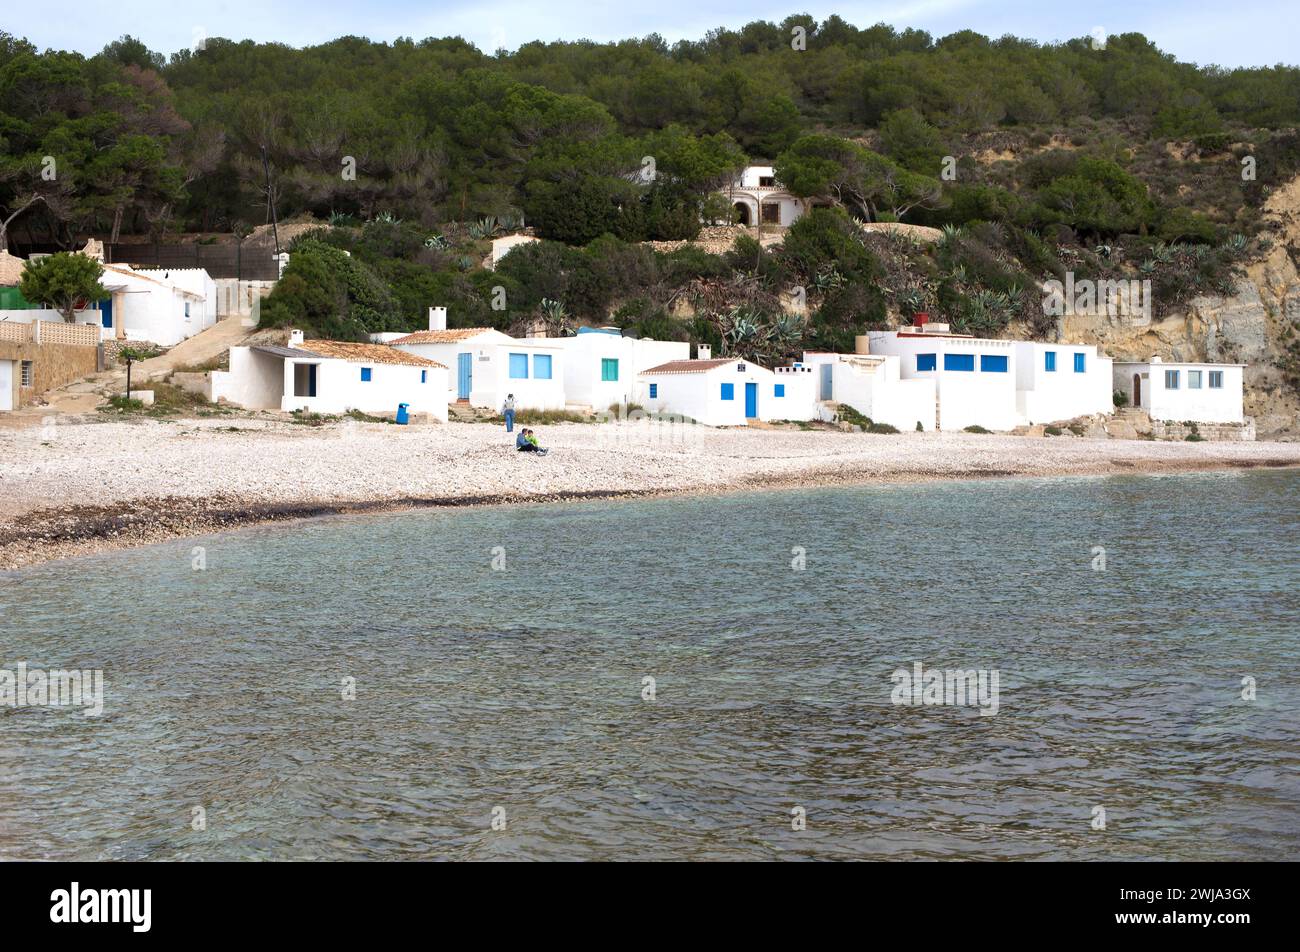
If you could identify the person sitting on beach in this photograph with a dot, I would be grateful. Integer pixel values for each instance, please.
(529, 444)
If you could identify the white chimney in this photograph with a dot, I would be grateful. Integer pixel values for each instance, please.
(295, 338)
(437, 318)
(702, 352)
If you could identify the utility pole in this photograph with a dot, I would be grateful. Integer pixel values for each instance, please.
(270, 201)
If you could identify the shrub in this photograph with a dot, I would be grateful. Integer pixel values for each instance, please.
(1053, 430)
(1119, 398)
(881, 428)
(976, 428)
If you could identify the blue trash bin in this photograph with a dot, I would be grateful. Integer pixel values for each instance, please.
(403, 413)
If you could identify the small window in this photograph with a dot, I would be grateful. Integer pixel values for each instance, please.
(518, 366)
(365, 374)
(766, 181)
(959, 362)
(1193, 380)
(187, 310)
(1216, 379)
(1049, 361)
(25, 374)
(993, 363)
(925, 362)
(654, 391)
(608, 368)
(740, 368)
(1171, 379)
(780, 390)
(728, 391)
(1080, 363)
(542, 366)
(424, 376)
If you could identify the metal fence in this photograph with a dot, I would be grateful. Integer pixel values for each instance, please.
(240, 261)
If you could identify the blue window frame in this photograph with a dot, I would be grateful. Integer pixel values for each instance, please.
(1216, 379)
(959, 362)
(608, 368)
(993, 363)
(925, 362)
(542, 366)
(1171, 379)
(728, 391)
(1193, 380)
(1080, 363)
(365, 375)
(1049, 361)
(780, 390)
(654, 391)
(518, 366)
(424, 376)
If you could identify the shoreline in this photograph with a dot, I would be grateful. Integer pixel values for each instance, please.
(358, 469)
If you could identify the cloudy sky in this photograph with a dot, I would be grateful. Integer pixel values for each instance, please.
(1260, 33)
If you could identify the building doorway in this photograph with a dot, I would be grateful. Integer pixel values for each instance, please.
(1137, 390)
(742, 214)
(304, 380)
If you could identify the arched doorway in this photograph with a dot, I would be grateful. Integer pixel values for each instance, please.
(1137, 390)
(742, 212)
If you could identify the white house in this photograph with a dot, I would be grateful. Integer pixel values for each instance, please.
(162, 307)
(974, 379)
(759, 199)
(601, 366)
(873, 385)
(727, 391)
(1061, 381)
(326, 376)
(486, 364)
(1183, 392)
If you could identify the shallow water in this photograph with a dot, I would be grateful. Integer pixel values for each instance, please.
(517, 694)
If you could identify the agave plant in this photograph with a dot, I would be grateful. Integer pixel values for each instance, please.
(743, 330)
(436, 241)
(1104, 250)
(465, 263)
(1147, 267)
(387, 218)
(828, 279)
(484, 227)
(1162, 253)
(784, 332)
(555, 314)
(1237, 244)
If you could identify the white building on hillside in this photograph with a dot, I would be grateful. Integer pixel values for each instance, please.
(1057, 382)
(1183, 392)
(485, 365)
(325, 376)
(759, 199)
(506, 244)
(727, 391)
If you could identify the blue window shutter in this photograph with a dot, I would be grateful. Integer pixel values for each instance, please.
(365, 374)
(424, 376)
(518, 366)
(542, 366)
(654, 391)
(1171, 379)
(780, 390)
(925, 362)
(609, 368)
(728, 391)
(1080, 363)
(1049, 360)
(993, 363)
(1216, 379)
(959, 362)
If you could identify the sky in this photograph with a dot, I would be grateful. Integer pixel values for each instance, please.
(1260, 33)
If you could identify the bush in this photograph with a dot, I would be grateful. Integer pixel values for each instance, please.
(976, 428)
(881, 428)
(1119, 398)
(1053, 430)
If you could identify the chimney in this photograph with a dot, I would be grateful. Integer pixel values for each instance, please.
(437, 318)
(861, 344)
(702, 352)
(295, 338)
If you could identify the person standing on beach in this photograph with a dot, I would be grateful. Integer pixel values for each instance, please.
(508, 411)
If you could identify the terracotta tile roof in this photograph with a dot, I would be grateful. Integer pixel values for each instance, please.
(690, 366)
(365, 353)
(450, 336)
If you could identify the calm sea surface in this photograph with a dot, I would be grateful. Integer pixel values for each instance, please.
(519, 695)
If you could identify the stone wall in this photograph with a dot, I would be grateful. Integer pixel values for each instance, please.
(1217, 432)
(53, 365)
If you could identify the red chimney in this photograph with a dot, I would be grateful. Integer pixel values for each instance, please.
(920, 319)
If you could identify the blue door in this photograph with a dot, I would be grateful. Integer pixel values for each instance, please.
(106, 312)
(828, 378)
(464, 375)
(751, 400)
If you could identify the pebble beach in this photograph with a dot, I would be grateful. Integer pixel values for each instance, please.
(75, 488)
